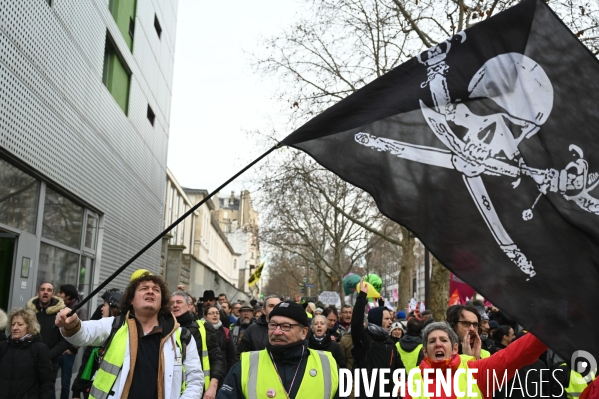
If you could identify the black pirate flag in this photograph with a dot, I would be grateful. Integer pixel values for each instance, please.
(484, 146)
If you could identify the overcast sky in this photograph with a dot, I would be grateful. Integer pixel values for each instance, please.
(216, 96)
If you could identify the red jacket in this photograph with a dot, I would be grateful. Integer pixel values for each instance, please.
(518, 354)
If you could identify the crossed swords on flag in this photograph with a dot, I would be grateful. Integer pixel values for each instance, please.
(573, 182)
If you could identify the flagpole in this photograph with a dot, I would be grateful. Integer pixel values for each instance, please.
(169, 228)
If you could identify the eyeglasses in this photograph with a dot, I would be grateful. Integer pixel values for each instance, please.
(284, 326)
(212, 313)
(467, 323)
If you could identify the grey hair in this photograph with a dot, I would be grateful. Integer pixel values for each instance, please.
(316, 317)
(270, 297)
(183, 294)
(439, 325)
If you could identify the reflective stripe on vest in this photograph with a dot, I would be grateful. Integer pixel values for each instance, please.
(409, 359)
(462, 383)
(112, 363)
(320, 379)
(576, 386)
(204, 355)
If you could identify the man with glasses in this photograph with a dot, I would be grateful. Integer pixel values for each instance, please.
(287, 368)
(235, 312)
(345, 318)
(465, 321)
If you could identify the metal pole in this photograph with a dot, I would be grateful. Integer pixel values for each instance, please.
(169, 228)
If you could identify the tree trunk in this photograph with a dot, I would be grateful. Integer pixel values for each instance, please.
(439, 290)
(406, 269)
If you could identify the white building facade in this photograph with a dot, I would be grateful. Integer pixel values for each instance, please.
(85, 90)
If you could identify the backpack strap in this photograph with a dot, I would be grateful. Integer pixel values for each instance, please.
(226, 330)
(185, 340)
(236, 334)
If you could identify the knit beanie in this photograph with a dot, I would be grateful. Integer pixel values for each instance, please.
(292, 310)
(375, 315)
(401, 315)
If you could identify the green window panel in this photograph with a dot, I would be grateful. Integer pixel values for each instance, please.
(123, 12)
(116, 76)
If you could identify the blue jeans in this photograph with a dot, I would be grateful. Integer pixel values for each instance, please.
(65, 362)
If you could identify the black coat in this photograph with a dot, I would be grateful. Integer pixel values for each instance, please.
(327, 344)
(25, 370)
(227, 347)
(215, 356)
(50, 334)
(255, 337)
(371, 351)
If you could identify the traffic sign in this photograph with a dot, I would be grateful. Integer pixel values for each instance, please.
(310, 285)
(305, 279)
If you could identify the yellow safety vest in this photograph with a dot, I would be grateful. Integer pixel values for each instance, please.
(576, 386)
(320, 379)
(462, 383)
(204, 355)
(484, 353)
(409, 359)
(112, 363)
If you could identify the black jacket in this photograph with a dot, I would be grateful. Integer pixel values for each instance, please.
(50, 334)
(255, 338)
(372, 351)
(216, 358)
(227, 348)
(25, 370)
(409, 343)
(286, 362)
(327, 344)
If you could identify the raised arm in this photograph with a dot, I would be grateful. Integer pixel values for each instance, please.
(522, 352)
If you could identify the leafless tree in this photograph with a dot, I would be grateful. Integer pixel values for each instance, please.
(335, 48)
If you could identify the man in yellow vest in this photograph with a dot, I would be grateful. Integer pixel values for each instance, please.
(204, 334)
(287, 368)
(149, 355)
(410, 345)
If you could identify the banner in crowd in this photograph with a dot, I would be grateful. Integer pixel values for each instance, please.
(464, 290)
(485, 147)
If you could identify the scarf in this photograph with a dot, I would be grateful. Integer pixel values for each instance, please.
(217, 325)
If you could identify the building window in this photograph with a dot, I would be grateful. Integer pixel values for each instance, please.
(116, 76)
(62, 220)
(123, 12)
(176, 216)
(19, 198)
(151, 115)
(182, 241)
(234, 264)
(91, 229)
(157, 26)
(57, 266)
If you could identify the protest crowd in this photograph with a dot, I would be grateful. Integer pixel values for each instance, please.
(212, 348)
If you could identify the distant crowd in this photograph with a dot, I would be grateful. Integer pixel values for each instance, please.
(212, 347)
